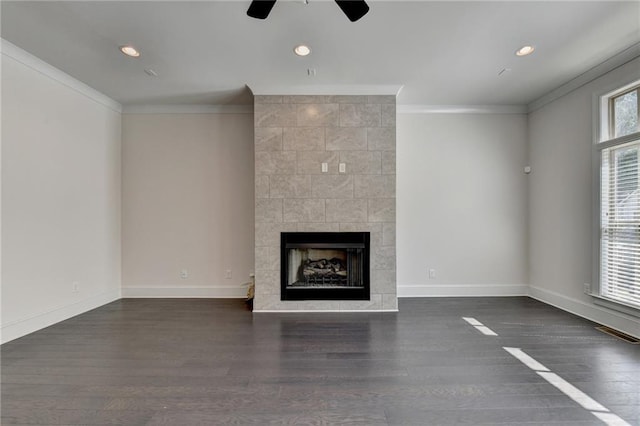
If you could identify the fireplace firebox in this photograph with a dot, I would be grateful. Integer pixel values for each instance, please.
(324, 266)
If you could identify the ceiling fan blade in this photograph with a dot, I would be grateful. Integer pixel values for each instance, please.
(260, 9)
(354, 9)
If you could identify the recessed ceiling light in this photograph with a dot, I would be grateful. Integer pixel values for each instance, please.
(130, 51)
(302, 50)
(525, 50)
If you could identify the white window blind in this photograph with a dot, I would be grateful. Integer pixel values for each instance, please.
(620, 223)
(618, 151)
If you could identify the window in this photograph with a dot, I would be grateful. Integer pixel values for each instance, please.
(619, 198)
(623, 109)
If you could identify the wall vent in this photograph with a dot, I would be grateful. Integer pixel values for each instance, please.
(619, 334)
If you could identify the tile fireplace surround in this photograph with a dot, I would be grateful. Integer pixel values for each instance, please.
(294, 136)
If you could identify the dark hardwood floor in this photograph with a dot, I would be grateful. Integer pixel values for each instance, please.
(185, 362)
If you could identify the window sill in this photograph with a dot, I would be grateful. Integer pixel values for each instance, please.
(616, 306)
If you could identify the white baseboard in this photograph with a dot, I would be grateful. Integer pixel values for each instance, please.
(235, 292)
(322, 311)
(599, 314)
(462, 290)
(22, 327)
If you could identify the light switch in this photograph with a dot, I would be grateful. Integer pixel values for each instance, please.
(343, 168)
(325, 167)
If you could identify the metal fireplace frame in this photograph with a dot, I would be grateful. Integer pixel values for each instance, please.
(324, 240)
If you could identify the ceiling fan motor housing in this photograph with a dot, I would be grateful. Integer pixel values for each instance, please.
(353, 9)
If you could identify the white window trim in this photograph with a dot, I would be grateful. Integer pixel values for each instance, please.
(601, 141)
(616, 306)
(601, 115)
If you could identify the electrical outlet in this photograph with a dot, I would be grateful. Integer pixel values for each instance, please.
(228, 274)
(432, 273)
(75, 287)
(587, 288)
(184, 274)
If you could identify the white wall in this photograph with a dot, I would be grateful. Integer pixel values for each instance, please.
(60, 196)
(462, 204)
(188, 185)
(561, 141)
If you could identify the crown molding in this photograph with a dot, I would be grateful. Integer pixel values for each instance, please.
(12, 51)
(609, 65)
(320, 90)
(461, 109)
(187, 109)
(248, 109)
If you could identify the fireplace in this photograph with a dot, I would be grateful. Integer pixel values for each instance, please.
(324, 266)
(325, 162)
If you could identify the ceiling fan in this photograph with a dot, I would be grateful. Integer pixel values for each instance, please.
(354, 9)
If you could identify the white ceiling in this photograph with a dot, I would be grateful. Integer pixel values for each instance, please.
(206, 52)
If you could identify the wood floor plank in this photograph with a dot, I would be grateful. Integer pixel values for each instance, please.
(212, 362)
(505, 415)
(313, 418)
